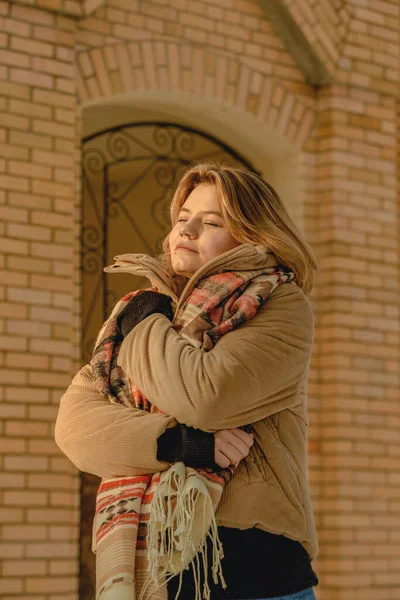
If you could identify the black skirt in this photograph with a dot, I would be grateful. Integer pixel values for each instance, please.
(256, 564)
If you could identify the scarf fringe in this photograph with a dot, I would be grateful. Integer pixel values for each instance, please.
(176, 538)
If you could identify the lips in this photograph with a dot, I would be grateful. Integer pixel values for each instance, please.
(184, 247)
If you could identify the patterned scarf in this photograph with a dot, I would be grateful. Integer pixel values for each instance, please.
(148, 528)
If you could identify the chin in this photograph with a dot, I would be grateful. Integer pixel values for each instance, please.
(182, 273)
(183, 267)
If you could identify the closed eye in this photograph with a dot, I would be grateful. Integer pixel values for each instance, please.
(205, 223)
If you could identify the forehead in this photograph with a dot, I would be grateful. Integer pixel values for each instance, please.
(204, 197)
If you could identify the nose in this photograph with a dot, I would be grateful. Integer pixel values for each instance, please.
(188, 229)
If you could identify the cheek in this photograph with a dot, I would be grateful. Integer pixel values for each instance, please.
(172, 239)
(220, 244)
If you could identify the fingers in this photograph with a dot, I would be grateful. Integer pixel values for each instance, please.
(247, 438)
(240, 440)
(237, 448)
(221, 460)
(234, 454)
(231, 446)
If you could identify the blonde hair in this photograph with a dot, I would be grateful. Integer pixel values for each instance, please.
(252, 212)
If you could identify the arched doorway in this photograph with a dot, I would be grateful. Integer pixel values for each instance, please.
(129, 173)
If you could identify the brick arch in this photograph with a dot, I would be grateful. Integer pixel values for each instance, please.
(169, 66)
(89, 6)
(314, 36)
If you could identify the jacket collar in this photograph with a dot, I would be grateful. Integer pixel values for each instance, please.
(241, 258)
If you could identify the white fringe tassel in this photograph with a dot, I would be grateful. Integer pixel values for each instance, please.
(181, 519)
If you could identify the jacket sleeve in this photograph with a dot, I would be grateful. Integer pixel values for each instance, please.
(105, 439)
(252, 372)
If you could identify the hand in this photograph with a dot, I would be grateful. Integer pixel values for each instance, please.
(231, 446)
(141, 306)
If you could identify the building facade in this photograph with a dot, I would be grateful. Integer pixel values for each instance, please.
(102, 102)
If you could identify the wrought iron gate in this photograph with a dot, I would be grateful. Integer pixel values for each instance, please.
(128, 177)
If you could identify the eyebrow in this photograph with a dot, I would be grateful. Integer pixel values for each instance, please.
(203, 212)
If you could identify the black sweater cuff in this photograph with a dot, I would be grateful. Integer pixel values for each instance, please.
(193, 447)
(141, 306)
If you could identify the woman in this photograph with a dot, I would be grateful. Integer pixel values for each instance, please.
(254, 378)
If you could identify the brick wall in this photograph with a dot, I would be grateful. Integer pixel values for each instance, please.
(357, 341)
(38, 163)
(358, 331)
(350, 209)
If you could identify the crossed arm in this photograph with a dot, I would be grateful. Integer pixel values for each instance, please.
(111, 440)
(107, 439)
(251, 373)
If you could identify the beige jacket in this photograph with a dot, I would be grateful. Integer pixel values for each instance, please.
(255, 374)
